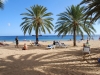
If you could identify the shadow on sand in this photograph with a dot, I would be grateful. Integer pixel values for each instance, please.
(59, 63)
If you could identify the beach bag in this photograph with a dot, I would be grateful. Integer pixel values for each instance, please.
(99, 60)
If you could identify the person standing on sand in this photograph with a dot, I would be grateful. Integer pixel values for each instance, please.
(53, 42)
(99, 38)
(16, 39)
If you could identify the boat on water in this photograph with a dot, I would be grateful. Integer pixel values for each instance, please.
(34, 35)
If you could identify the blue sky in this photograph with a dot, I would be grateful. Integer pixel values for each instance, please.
(10, 18)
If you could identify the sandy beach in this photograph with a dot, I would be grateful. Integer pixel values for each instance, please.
(38, 60)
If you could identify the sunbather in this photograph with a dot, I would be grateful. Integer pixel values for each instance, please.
(25, 47)
(1, 43)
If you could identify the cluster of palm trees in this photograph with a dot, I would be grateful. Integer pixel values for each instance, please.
(74, 20)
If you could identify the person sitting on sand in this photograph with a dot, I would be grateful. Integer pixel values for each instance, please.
(25, 47)
(87, 42)
(99, 38)
(84, 45)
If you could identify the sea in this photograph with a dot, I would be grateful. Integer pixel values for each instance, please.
(47, 38)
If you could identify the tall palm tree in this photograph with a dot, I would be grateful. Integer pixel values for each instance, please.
(1, 4)
(37, 19)
(72, 22)
(92, 8)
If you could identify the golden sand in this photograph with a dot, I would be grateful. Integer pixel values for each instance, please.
(38, 60)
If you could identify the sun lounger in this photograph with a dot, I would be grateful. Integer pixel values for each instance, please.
(32, 43)
(63, 45)
(50, 47)
(58, 44)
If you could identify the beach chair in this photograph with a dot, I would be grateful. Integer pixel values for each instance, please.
(86, 50)
(63, 45)
(34, 44)
(50, 47)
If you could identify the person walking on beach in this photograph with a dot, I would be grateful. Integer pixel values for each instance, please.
(16, 39)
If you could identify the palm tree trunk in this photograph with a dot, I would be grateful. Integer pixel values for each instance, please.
(82, 37)
(36, 39)
(37, 35)
(74, 37)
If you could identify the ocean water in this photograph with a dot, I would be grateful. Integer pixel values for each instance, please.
(45, 38)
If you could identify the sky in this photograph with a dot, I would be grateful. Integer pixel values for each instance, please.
(10, 18)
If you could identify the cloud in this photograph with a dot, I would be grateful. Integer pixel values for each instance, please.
(9, 24)
(4, 1)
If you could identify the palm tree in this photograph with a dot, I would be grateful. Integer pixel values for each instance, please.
(72, 22)
(1, 4)
(37, 19)
(92, 9)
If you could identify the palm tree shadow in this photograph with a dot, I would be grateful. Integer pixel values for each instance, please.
(21, 66)
(59, 63)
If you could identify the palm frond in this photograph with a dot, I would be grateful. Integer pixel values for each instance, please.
(1, 4)
(37, 19)
(92, 8)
